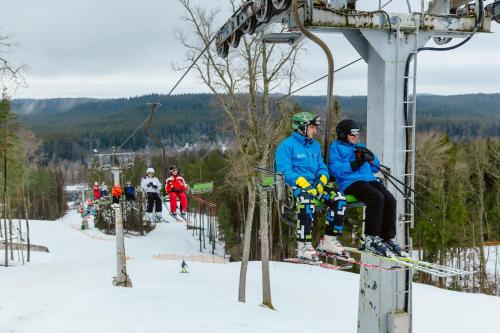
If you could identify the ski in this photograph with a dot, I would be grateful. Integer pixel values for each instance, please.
(181, 219)
(355, 262)
(417, 265)
(186, 220)
(317, 263)
(435, 266)
(177, 219)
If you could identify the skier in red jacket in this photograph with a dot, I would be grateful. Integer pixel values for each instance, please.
(96, 191)
(176, 188)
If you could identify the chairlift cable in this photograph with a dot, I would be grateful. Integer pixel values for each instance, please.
(317, 80)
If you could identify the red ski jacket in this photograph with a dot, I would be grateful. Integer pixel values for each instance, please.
(97, 192)
(175, 184)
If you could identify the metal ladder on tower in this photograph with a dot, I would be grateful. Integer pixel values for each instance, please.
(407, 125)
(409, 112)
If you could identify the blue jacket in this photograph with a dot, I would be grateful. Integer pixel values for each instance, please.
(341, 154)
(297, 156)
(129, 189)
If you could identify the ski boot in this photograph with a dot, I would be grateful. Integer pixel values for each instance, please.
(376, 245)
(183, 214)
(395, 248)
(331, 245)
(306, 251)
(158, 218)
(149, 218)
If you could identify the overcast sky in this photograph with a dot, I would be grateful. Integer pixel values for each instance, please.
(104, 48)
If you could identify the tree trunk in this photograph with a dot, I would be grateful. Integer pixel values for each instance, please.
(246, 241)
(5, 195)
(25, 206)
(264, 250)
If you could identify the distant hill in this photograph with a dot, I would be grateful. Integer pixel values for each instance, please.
(72, 127)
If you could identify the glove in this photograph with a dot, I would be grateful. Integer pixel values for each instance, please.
(306, 186)
(150, 184)
(321, 183)
(154, 186)
(368, 155)
(177, 190)
(358, 162)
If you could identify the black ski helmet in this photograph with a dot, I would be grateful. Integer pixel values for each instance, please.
(343, 128)
(172, 168)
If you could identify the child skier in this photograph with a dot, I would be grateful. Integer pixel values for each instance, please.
(116, 192)
(129, 192)
(176, 187)
(184, 267)
(353, 166)
(104, 190)
(151, 186)
(299, 158)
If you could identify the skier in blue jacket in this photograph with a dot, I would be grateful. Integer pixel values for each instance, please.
(299, 158)
(354, 167)
(129, 192)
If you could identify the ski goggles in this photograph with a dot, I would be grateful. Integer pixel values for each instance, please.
(316, 121)
(354, 132)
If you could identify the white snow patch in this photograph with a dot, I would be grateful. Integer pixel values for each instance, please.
(70, 290)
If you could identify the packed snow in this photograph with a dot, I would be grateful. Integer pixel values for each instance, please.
(70, 289)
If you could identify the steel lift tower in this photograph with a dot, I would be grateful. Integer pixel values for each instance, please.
(116, 162)
(389, 44)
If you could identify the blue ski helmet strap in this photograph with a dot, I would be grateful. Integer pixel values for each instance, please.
(301, 120)
(346, 127)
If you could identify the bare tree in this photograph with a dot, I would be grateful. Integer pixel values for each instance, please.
(9, 72)
(242, 84)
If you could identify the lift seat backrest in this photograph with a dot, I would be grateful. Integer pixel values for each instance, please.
(352, 201)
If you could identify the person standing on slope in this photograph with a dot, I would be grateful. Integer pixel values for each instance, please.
(176, 188)
(299, 158)
(151, 186)
(353, 166)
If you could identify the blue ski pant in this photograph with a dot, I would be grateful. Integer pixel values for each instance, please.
(304, 205)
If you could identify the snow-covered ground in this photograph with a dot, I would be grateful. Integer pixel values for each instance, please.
(70, 290)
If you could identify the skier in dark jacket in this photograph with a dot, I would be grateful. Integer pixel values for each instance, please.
(299, 158)
(129, 192)
(184, 267)
(353, 166)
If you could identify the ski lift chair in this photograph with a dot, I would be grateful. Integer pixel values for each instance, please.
(283, 194)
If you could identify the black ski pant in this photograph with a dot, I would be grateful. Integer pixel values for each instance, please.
(153, 200)
(116, 200)
(129, 197)
(380, 208)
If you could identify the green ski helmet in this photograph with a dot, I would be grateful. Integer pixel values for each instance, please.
(302, 119)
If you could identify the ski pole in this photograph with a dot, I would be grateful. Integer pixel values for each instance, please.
(266, 170)
(413, 204)
(385, 173)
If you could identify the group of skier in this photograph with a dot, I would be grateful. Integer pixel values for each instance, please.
(353, 166)
(101, 192)
(175, 187)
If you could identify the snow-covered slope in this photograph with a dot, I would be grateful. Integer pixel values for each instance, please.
(70, 290)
